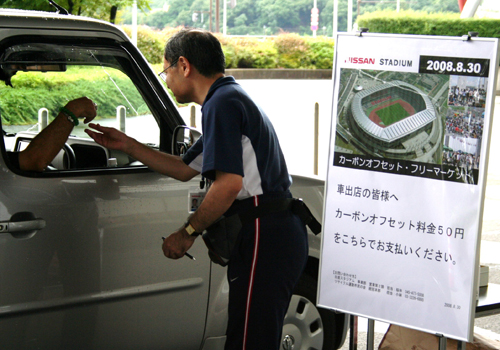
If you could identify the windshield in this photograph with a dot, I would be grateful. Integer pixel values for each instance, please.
(40, 78)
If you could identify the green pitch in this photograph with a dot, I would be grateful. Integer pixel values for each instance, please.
(392, 114)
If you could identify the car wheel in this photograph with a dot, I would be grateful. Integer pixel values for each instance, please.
(307, 327)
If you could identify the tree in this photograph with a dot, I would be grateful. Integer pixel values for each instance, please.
(102, 9)
(274, 16)
(247, 10)
(282, 14)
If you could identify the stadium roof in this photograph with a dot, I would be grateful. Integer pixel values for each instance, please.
(399, 129)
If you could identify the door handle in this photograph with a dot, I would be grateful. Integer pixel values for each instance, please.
(22, 225)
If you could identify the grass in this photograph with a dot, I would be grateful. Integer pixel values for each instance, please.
(392, 114)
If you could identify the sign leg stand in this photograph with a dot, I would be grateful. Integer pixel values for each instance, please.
(442, 342)
(353, 337)
(370, 336)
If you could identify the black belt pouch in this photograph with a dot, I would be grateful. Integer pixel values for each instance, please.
(221, 237)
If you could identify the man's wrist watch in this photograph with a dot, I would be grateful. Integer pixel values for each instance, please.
(191, 230)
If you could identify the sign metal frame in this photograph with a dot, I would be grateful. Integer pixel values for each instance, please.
(406, 179)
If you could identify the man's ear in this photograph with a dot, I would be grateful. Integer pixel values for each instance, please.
(185, 66)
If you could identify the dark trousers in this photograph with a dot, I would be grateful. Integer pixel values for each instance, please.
(262, 274)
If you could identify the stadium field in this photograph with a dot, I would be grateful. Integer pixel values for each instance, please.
(392, 114)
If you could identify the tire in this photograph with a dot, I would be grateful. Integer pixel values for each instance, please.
(307, 327)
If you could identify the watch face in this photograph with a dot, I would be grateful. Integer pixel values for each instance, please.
(190, 229)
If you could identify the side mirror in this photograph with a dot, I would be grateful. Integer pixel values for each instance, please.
(183, 138)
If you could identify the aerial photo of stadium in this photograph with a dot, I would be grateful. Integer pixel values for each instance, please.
(391, 115)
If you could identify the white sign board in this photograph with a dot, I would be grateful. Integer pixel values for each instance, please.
(406, 179)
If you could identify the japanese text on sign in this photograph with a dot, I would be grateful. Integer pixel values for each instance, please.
(394, 166)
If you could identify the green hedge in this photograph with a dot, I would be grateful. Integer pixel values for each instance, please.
(282, 51)
(423, 23)
(249, 53)
(149, 42)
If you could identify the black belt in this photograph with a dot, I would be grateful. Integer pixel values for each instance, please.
(223, 235)
(296, 205)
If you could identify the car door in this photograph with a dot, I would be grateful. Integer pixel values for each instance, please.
(81, 264)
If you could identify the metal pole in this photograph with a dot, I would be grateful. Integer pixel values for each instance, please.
(121, 113)
(316, 137)
(134, 23)
(370, 336)
(315, 6)
(217, 16)
(224, 29)
(335, 18)
(398, 5)
(442, 342)
(193, 116)
(349, 15)
(43, 118)
(353, 336)
(210, 15)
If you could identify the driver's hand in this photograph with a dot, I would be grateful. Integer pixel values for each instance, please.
(83, 107)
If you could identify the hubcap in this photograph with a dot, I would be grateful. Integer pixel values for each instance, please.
(303, 328)
(288, 342)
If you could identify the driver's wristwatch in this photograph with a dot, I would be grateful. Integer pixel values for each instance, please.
(191, 230)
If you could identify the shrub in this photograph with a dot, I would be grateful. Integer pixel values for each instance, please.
(321, 52)
(423, 23)
(283, 51)
(229, 50)
(149, 42)
(293, 51)
(249, 53)
(166, 33)
(264, 55)
(230, 56)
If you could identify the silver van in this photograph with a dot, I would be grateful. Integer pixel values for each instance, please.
(81, 265)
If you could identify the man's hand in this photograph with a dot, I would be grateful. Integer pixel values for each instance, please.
(109, 137)
(83, 107)
(177, 244)
(45, 146)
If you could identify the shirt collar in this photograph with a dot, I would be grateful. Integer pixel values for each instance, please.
(217, 84)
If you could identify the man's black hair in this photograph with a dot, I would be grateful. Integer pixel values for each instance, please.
(201, 48)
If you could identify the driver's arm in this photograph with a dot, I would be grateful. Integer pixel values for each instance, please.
(45, 146)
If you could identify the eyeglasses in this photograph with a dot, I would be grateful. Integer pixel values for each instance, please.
(163, 74)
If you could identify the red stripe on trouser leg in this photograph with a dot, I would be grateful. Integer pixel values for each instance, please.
(252, 274)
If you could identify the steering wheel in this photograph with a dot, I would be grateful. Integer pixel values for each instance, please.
(69, 160)
(64, 160)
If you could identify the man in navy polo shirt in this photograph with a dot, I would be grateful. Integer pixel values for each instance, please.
(239, 151)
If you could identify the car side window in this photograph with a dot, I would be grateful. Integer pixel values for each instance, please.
(41, 78)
